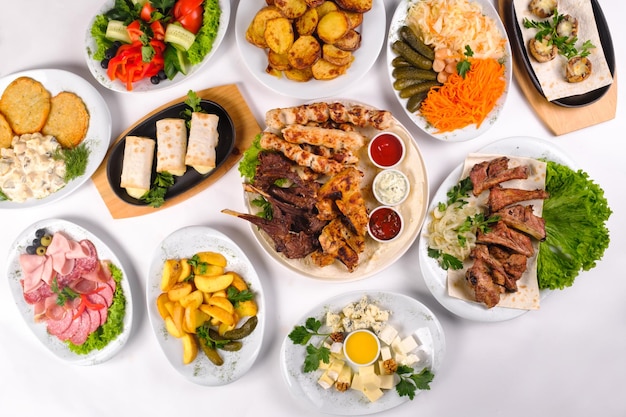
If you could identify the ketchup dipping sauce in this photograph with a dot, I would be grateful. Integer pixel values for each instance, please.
(385, 224)
(386, 150)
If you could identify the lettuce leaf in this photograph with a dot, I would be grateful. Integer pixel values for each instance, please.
(577, 236)
(207, 33)
(250, 159)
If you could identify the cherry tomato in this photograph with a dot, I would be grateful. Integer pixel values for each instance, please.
(189, 14)
(158, 32)
(134, 30)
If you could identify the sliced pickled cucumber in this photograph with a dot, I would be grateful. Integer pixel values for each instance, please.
(116, 31)
(179, 37)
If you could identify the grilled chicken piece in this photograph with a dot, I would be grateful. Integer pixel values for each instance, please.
(486, 174)
(578, 69)
(485, 290)
(543, 8)
(500, 197)
(319, 136)
(567, 27)
(340, 242)
(281, 117)
(502, 235)
(344, 156)
(360, 116)
(522, 218)
(542, 49)
(344, 189)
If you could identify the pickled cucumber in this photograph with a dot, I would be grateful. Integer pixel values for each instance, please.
(411, 55)
(412, 72)
(243, 331)
(416, 43)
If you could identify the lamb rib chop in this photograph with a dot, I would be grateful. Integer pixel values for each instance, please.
(522, 218)
(501, 234)
(499, 273)
(479, 278)
(487, 174)
(500, 197)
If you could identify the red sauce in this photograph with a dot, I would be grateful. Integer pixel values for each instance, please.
(386, 150)
(385, 223)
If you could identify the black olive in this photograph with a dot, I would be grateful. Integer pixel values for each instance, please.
(162, 75)
(40, 233)
(155, 79)
(116, 44)
(31, 250)
(104, 63)
(110, 53)
(36, 242)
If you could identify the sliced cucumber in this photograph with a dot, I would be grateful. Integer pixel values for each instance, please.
(139, 2)
(179, 37)
(116, 31)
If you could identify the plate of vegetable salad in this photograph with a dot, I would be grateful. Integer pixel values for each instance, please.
(145, 45)
(575, 217)
(80, 308)
(451, 73)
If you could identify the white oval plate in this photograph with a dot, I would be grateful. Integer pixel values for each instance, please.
(142, 86)
(377, 256)
(407, 316)
(435, 277)
(98, 135)
(52, 343)
(468, 132)
(184, 243)
(372, 37)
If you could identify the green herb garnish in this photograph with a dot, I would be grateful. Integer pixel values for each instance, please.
(197, 264)
(250, 160)
(3, 196)
(460, 192)
(546, 29)
(75, 159)
(411, 382)
(464, 65)
(63, 294)
(301, 335)
(155, 196)
(446, 261)
(235, 296)
(203, 332)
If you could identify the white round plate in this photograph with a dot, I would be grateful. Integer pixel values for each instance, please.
(468, 132)
(435, 277)
(377, 256)
(52, 343)
(372, 37)
(145, 85)
(98, 135)
(184, 243)
(407, 316)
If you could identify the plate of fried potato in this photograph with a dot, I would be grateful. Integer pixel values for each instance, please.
(68, 108)
(201, 283)
(313, 51)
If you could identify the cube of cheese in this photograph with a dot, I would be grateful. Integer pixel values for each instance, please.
(385, 353)
(387, 334)
(357, 383)
(388, 381)
(334, 369)
(408, 344)
(367, 370)
(424, 337)
(325, 381)
(372, 392)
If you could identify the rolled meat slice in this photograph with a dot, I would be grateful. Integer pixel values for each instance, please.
(171, 146)
(203, 138)
(137, 165)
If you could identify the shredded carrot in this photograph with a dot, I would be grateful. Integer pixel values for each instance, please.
(460, 101)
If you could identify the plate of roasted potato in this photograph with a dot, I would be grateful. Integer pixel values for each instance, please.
(206, 305)
(310, 49)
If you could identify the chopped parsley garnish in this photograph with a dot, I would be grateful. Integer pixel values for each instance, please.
(266, 211)
(75, 159)
(235, 296)
(411, 382)
(193, 106)
(565, 44)
(64, 294)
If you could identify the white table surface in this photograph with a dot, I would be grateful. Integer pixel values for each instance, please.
(567, 359)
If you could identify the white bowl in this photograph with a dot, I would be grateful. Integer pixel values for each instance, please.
(391, 187)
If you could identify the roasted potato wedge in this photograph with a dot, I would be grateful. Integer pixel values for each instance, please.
(279, 34)
(325, 7)
(354, 19)
(291, 9)
(256, 29)
(301, 75)
(304, 52)
(324, 70)
(278, 62)
(360, 6)
(350, 42)
(307, 23)
(333, 26)
(335, 55)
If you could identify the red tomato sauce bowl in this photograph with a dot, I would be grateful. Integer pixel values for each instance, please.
(385, 224)
(386, 150)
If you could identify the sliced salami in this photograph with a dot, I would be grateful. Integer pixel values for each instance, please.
(73, 327)
(57, 327)
(91, 262)
(94, 315)
(82, 332)
(96, 298)
(107, 293)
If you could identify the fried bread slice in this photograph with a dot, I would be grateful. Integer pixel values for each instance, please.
(26, 105)
(6, 134)
(68, 120)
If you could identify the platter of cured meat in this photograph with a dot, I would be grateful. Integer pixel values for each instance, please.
(71, 290)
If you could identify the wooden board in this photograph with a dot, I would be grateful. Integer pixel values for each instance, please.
(558, 119)
(246, 127)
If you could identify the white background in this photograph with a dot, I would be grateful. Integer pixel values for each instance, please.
(567, 359)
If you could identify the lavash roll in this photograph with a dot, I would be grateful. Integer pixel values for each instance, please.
(171, 146)
(203, 138)
(137, 165)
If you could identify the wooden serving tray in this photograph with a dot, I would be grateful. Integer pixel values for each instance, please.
(559, 119)
(246, 127)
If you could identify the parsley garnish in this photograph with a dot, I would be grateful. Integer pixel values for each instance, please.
(266, 211)
(203, 332)
(460, 192)
(464, 65)
(3, 196)
(75, 159)
(63, 294)
(300, 335)
(565, 44)
(155, 196)
(446, 260)
(198, 265)
(410, 381)
(193, 106)
(235, 296)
